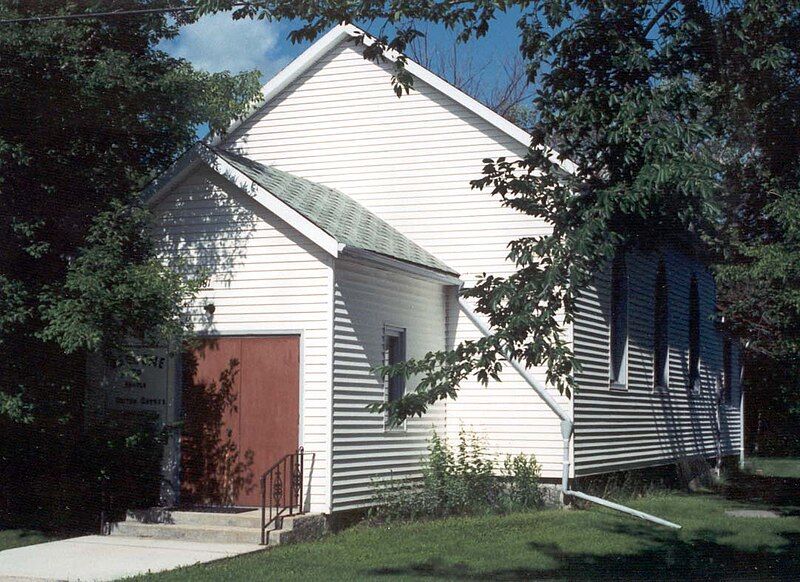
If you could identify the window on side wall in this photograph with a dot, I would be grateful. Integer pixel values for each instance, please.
(727, 371)
(394, 352)
(661, 330)
(619, 323)
(694, 335)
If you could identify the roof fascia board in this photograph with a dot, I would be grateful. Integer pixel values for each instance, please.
(378, 260)
(158, 188)
(500, 122)
(276, 206)
(457, 95)
(332, 38)
(288, 74)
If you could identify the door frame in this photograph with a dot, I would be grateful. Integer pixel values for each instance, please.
(246, 333)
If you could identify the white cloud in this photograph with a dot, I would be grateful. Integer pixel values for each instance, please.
(217, 43)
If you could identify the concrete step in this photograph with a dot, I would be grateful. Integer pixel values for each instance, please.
(298, 528)
(212, 527)
(197, 533)
(277, 537)
(203, 518)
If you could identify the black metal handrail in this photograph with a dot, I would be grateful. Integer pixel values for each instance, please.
(282, 499)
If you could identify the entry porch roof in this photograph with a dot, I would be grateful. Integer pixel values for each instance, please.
(341, 222)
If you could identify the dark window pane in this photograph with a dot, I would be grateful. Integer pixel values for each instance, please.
(727, 371)
(619, 319)
(394, 354)
(660, 327)
(694, 334)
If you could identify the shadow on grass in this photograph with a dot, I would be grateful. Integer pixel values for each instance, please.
(654, 553)
(663, 557)
(781, 493)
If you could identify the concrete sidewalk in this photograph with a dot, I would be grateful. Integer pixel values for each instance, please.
(109, 557)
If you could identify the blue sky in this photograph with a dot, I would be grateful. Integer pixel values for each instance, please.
(217, 43)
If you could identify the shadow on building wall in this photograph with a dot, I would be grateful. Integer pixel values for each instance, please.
(214, 469)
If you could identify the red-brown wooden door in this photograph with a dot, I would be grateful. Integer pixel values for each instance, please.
(241, 415)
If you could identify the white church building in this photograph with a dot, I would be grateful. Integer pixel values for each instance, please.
(337, 225)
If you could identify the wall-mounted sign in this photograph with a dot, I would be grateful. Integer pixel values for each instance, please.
(150, 389)
(147, 388)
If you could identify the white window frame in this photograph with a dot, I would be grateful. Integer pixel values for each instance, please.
(395, 331)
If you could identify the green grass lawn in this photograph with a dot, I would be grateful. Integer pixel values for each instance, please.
(775, 466)
(16, 538)
(575, 544)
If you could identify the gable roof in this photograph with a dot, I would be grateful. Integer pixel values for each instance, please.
(329, 218)
(334, 212)
(332, 38)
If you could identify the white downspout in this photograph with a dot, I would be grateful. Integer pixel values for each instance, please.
(566, 429)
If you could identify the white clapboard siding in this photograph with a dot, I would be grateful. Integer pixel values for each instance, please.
(410, 160)
(367, 299)
(509, 416)
(616, 430)
(265, 278)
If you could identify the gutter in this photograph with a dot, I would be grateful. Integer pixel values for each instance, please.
(379, 260)
(566, 430)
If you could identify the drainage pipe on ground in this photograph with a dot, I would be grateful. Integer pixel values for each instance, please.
(566, 429)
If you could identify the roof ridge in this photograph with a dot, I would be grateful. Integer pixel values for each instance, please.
(332, 38)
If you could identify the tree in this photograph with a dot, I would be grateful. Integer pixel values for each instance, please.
(672, 114)
(758, 269)
(508, 93)
(91, 110)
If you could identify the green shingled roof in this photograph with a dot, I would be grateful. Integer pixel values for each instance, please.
(337, 214)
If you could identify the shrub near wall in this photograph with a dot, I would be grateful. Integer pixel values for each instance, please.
(460, 481)
(63, 486)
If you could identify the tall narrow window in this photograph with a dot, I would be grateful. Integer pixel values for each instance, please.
(694, 335)
(727, 371)
(661, 329)
(394, 352)
(619, 322)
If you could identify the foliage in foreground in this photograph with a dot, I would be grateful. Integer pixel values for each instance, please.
(117, 466)
(460, 482)
(91, 110)
(772, 405)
